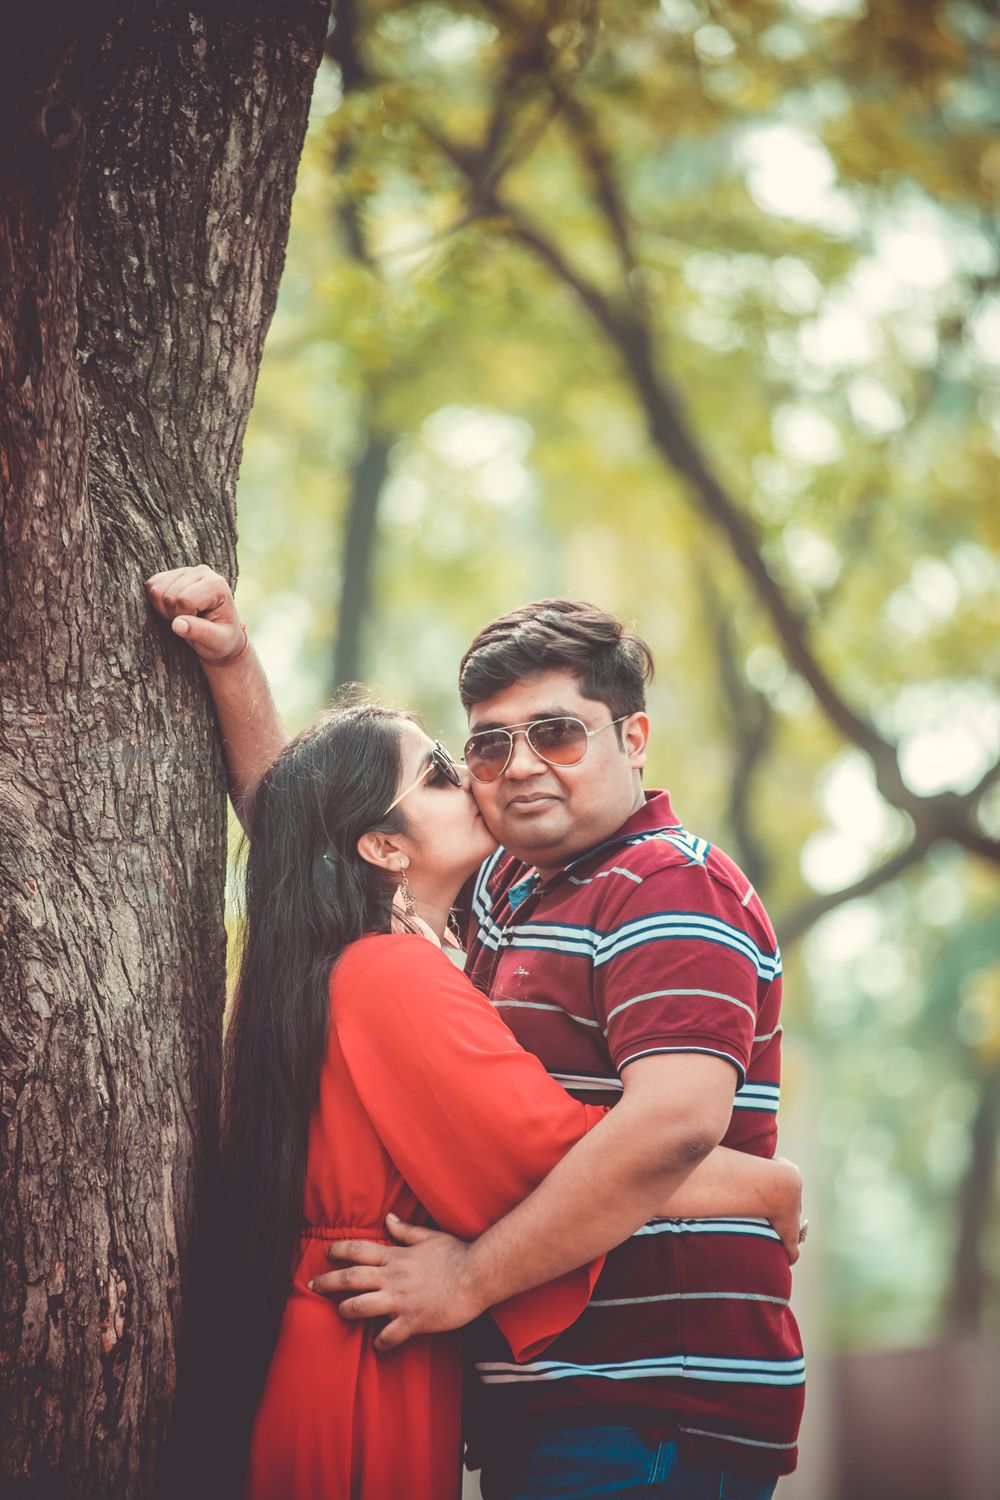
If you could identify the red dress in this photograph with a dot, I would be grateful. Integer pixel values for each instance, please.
(428, 1107)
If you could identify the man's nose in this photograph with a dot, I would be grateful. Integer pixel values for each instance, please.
(523, 760)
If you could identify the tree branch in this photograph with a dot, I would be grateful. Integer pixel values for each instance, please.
(672, 435)
(791, 927)
(751, 721)
(971, 839)
(625, 326)
(988, 778)
(597, 164)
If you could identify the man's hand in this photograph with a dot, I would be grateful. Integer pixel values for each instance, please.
(199, 603)
(425, 1288)
(788, 1220)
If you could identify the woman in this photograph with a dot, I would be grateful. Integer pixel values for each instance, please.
(365, 1075)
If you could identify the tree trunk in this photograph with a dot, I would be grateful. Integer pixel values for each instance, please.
(367, 480)
(148, 160)
(969, 1274)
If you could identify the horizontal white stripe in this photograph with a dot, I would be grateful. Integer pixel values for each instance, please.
(541, 1005)
(740, 1219)
(584, 1081)
(689, 1297)
(700, 1361)
(660, 994)
(664, 932)
(537, 939)
(755, 1228)
(613, 870)
(763, 1096)
(670, 926)
(729, 1437)
(765, 1036)
(561, 937)
(748, 897)
(669, 1367)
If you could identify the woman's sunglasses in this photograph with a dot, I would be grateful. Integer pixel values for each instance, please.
(440, 764)
(559, 742)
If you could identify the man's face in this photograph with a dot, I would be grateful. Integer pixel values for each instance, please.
(544, 814)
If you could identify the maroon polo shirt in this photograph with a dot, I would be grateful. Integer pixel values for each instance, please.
(652, 942)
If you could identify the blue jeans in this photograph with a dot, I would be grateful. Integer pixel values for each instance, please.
(578, 1463)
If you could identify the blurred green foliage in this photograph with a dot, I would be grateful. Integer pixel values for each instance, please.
(796, 205)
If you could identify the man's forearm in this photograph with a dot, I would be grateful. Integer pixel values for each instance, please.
(252, 732)
(611, 1182)
(734, 1182)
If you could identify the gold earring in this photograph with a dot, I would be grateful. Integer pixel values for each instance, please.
(406, 894)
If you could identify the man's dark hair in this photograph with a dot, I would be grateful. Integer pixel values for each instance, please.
(611, 664)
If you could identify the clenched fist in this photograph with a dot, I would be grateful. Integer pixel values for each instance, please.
(199, 604)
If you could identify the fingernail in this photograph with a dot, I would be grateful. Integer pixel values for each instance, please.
(180, 627)
(311, 1285)
(394, 1217)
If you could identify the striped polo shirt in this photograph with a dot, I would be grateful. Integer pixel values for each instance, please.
(652, 942)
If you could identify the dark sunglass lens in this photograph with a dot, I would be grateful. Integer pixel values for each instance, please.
(563, 741)
(445, 765)
(487, 754)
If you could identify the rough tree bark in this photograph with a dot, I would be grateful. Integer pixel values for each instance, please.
(147, 160)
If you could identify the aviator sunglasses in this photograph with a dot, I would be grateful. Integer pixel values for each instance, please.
(559, 742)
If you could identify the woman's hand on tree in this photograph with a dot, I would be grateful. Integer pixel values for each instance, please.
(199, 604)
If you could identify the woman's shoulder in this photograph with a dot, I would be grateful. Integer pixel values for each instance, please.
(385, 956)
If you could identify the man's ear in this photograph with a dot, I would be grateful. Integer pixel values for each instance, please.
(635, 734)
(382, 850)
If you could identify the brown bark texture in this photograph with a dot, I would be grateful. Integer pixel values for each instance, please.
(148, 154)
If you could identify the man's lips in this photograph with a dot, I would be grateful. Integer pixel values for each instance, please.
(529, 799)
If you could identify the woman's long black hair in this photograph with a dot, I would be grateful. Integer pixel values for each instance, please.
(308, 895)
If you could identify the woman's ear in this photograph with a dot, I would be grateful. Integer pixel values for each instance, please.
(383, 851)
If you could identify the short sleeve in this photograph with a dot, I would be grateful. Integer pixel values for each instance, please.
(681, 968)
(472, 1122)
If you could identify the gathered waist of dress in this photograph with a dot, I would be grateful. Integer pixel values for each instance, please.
(346, 1232)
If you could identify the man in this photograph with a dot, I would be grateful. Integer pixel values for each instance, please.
(639, 964)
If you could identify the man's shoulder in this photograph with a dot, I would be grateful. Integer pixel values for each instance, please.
(676, 869)
(673, 857)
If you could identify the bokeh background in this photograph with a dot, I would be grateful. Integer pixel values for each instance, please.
(693, 309)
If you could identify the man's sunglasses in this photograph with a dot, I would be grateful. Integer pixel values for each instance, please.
(559, 742)
(440, 763)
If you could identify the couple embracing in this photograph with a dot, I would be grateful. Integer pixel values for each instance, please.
(566, 1150)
